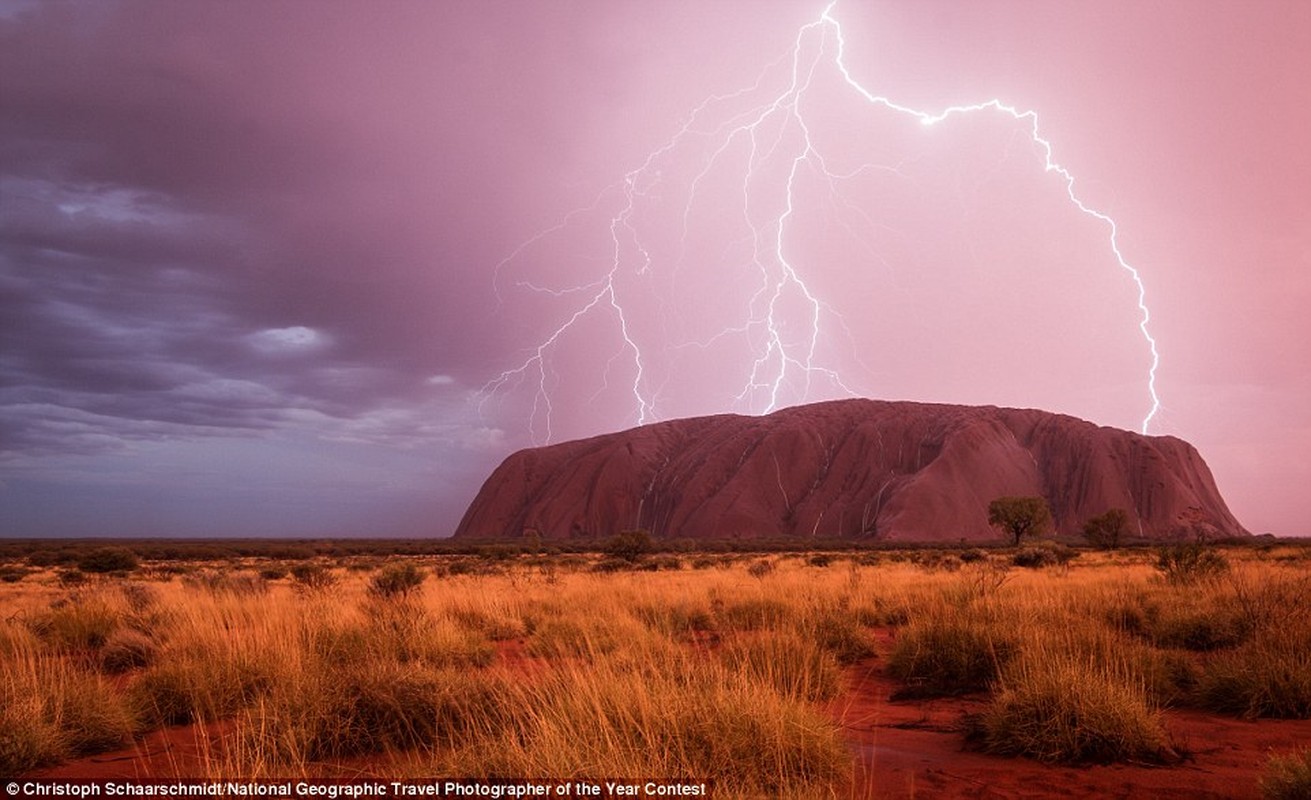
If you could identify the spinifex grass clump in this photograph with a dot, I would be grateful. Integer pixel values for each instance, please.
(498, 621)
(752, 614)
(335, 711)
(1056, 703)
(838, 631)
(218, 652)
(680, 620)
(218, 581)
(79, 623)
(793, 666)
(126, 649)
(191, 685)
(1181, 617)
(1200, 630)
(52, 709)
(946, 653)
(1269, 676)
(663, 712)
(405, 636)
(572, 637)
(1288, 777)
(1269, 673)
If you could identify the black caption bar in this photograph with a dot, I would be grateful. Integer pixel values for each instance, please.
(477, 789)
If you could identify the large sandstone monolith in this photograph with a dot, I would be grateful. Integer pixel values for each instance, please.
(850, 469)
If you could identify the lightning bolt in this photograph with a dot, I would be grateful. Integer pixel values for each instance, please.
(770, 131)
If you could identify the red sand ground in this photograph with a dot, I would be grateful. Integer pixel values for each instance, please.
(168, 753)
(903, 749)
(915, 749)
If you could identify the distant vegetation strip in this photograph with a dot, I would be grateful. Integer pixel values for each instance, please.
(59, 551)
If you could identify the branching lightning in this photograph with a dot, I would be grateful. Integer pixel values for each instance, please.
(777, 129)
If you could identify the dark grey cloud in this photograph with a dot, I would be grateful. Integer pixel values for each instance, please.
(180, 181)
(188, 244)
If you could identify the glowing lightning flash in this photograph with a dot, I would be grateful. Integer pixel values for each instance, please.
(777, 363)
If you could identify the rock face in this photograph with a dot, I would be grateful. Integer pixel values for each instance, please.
(850, 469)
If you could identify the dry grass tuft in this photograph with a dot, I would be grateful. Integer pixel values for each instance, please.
(949, 654)
(794, 667)
(752, 614)
(1066, 707)
(839, 632)
(51, 709)
(1269, 676)
(1288, 777)
(126, 649)
(78, 623)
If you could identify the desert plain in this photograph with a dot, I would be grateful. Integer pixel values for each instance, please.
(969, 672)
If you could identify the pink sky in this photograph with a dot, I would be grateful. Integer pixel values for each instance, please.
(259, 262)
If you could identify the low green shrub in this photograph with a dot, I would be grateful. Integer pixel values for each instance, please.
(1046, 554)
(1190, 562)
(311, 576)
(397, 581)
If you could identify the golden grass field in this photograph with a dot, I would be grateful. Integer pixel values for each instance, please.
(719, 668)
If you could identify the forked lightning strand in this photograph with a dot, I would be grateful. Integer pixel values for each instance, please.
(776, 363)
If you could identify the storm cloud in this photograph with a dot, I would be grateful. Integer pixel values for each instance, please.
(249, 251)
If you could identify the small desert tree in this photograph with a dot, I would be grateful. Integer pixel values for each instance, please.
(1019, 517)
(629, 545)
(1106, 530)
